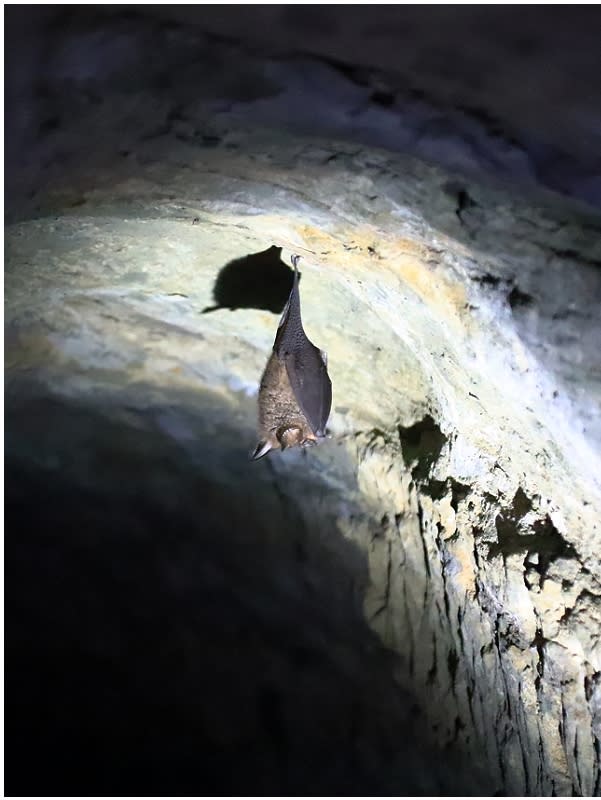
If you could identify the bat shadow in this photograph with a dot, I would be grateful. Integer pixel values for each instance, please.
(257, 280)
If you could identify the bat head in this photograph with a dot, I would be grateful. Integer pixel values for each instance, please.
(290, 436)
(296, 436)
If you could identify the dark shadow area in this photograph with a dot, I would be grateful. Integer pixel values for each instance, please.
(421, 445)
(259, 280)
(186, 627)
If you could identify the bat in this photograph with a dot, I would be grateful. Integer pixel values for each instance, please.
(295, 395)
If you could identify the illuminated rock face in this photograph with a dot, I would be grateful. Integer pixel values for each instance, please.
(453, 515)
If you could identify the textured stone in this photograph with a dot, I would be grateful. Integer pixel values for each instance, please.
(455, 508)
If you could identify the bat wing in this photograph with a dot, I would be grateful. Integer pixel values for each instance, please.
(311, 385)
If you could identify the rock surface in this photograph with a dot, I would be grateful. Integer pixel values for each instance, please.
(455, 510)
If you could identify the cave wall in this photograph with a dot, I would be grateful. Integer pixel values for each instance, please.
(454, 511)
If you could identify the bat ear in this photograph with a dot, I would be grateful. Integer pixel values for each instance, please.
(261, 449)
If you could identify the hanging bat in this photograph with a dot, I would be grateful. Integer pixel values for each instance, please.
(295, 396)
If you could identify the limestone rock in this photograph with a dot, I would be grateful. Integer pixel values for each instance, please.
(453, 516)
